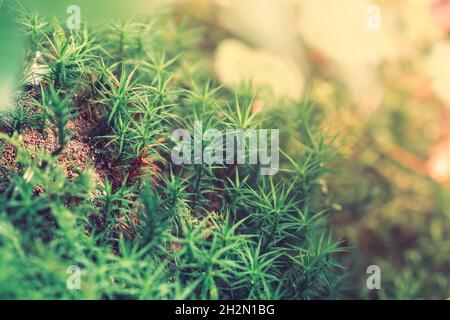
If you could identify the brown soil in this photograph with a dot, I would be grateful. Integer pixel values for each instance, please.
(79, 154)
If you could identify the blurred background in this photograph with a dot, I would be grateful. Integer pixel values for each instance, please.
(380, 73)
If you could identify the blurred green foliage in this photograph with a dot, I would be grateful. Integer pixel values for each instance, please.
(97, 9)
(10, 56)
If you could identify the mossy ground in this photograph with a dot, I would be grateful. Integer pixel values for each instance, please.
(87, 178)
